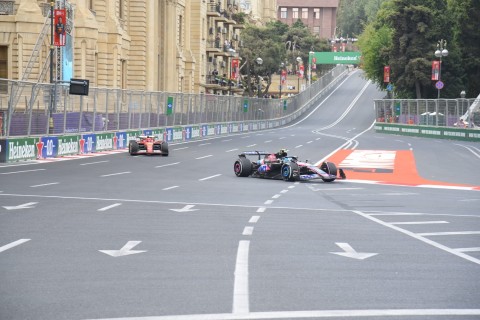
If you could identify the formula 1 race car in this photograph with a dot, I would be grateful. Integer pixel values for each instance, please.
(280, 166)
(147, 145)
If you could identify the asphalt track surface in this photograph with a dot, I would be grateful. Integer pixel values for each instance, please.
(181, 237)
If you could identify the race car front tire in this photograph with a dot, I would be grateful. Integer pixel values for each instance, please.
(164, 148)
(290, 171)
(330, 168)
(242, 167)
(133, 147)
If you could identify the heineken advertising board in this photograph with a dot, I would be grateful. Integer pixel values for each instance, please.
(21, 149)
(68, 145)
(335, 57)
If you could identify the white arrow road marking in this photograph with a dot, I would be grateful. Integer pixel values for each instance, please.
(351, 253)
(21, 206)
(125, 251)
(13, 244)
(187, 208)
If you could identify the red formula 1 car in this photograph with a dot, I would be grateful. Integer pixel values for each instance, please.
(147, 145)
(282, 167)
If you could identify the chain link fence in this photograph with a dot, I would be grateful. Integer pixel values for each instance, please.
(37, 109)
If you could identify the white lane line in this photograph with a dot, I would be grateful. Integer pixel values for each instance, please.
(232, 150)
(276, 196)
(291, 187)
(241, 302)
(284, 191)
(204, 144)
(268, 202)
(317, 314)
(454, 233)
(252, 145)
(115, 174)
(309, 142)
(420, 222)
(281, 138)
(226, 140)
(211, 177)
(419, 237)
(268, 141)
(45, 184)
(474, 249)
(168, 164)
(176, 149)
(207, 156)
(261, 209)
(169, 188)
(397, 214)
(299, 146)
(318, 139)
(254, 219)
(247, 231)
(13, 244)
(89, 163)
(109, 207)
(22, 171)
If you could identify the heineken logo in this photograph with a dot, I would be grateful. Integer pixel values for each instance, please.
(67, 147)
(177, 135)
(18, 151)
(104, 143)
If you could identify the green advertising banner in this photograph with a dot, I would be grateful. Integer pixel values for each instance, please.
(104, 141)
(169, 105)
(429, 131)
(335, 57)
(21, 149)
(68, 145)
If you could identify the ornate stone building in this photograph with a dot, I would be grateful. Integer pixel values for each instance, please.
(166, 45)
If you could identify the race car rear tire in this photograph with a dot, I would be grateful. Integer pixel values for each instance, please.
(164, 148)
(242, 167)
(290, 171)
(133, 147)
(330, 168)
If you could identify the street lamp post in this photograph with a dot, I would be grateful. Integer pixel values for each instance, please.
(259, 62)
(310, 65)
(299, 63)
(439, 53)
(282, 65)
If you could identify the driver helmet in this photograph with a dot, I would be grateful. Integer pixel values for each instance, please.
(282, 153)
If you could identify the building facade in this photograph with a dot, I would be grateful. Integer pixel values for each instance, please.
(319, 15)
(168, 45)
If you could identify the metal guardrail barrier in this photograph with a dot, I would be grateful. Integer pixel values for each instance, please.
(49, 109)
(439, 112)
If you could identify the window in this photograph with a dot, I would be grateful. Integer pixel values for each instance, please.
(3, 70)
(304, 13)
(295, 13)
(316, 13)
(283, 13)
(316, 31)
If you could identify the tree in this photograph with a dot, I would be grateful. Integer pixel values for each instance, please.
(275, 43)
(404, 35)
(466, 36)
